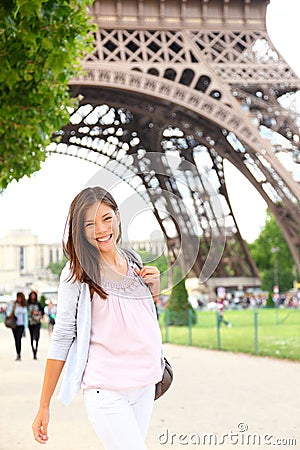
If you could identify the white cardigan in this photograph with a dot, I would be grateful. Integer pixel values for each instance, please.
(71, 335)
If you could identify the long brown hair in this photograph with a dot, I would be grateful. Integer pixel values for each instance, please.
(22, 297)
(83, 256)
(34, 299)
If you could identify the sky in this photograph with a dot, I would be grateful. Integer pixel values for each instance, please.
(40, 203)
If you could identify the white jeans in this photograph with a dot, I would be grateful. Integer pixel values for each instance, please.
(120, 418)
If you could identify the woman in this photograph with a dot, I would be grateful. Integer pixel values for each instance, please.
(19, 310)
(106, 328)
(35, 314)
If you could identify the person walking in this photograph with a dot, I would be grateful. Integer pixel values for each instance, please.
(19, 310)
(220, 302)
(106, 328)
(35, 315)
(50, 311)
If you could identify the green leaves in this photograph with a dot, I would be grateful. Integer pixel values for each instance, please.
(41, 44)
(56, 268)
(268, 261)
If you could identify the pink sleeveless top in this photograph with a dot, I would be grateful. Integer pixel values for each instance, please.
(125, 345)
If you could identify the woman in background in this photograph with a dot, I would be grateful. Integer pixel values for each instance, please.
(19, 310)
(35, 314)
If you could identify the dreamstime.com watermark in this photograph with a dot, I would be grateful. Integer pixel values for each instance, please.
(239, 437)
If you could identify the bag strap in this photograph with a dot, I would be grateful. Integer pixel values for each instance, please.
(133, 257)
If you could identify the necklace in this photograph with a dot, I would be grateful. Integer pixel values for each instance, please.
(127, 284)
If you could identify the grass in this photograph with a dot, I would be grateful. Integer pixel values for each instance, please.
(278, 332)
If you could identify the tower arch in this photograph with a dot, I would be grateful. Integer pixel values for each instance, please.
(200, 80)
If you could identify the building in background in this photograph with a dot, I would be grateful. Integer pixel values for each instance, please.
(24, 262)
(157, 247)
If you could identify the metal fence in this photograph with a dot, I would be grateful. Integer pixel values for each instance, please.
(267, 332)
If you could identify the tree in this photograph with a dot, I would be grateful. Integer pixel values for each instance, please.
(56, 268)
(43, 300)
(270, 302)
(41, 44)
(270, 262)
(178, 305)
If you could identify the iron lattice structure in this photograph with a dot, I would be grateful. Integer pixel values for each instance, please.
(199, 79)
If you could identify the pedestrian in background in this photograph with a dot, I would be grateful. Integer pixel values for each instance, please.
(35, 315)
(106, 328)
(221, 296)
(50, 311)
(19, 310)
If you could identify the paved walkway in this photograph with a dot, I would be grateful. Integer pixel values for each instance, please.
(213, 393)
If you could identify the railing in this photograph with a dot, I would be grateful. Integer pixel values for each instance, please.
(266, 332)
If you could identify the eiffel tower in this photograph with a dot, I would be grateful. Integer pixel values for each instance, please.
(198, 81)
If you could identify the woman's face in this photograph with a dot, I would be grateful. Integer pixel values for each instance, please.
(33, 298)
(101, 226)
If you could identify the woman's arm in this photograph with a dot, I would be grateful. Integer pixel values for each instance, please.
(62, 338)
(26, 318)
(64, 331)
(51, 376)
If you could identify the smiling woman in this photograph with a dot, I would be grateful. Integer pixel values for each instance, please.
(106, 328)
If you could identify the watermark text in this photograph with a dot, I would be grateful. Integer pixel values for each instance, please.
(239, 437)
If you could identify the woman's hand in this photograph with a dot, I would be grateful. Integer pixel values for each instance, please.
(40, 425)
(53, 370)
(151, 277)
